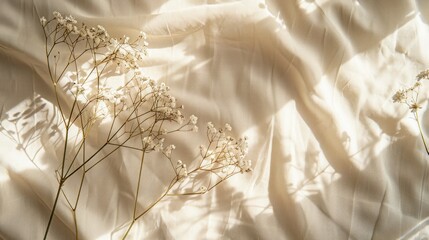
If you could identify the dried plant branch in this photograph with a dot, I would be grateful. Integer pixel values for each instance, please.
(137, 115)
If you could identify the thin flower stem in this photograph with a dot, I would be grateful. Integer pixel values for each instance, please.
(85, 162)
(172, 184)
(104, 157)
(128, 147)
(75, 224)
(53, 209)
(138, 184)
(129, 229)
(416, 115)
(76, 155)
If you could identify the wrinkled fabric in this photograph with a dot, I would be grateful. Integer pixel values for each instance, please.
(310, 82)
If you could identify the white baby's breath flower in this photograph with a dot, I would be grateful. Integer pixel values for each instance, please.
(159, 145)
(182, 172)
(43, 21)
(57, 14)
(148, 142)
(69, 27)
(70, 19)
(211, 129)
(193, 119)
(228, 127)
(168, 150)
(245, 165)
(126, 39)
(101, 29)
(142, 35)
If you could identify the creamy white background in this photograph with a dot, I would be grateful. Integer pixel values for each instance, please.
(308, 81)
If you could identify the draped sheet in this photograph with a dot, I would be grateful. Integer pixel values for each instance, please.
(310, 82)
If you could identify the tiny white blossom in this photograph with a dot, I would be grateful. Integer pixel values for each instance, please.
(43, 21)
(193, 119)
(211, 129)
(57, 15)
(142, 35)
(126, 39)
(168, 150)
(101, 29)
(245, 165)
(179, 163)
(183, 171)
(70, 19)
(148, 142)
(159, 145)
(69, 26)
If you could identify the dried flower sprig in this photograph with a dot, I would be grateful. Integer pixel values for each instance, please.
(223, 157)
(137, 114)
(411, 97)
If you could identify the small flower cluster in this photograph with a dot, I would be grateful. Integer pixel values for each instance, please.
(149, 102)
(181, 170)
(168, 150)
(124, 53)
(224, 152)
(223, 157)
(69, 25)
(127, 55)
(410, 96)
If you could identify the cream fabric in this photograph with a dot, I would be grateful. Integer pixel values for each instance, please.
(308, 81)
